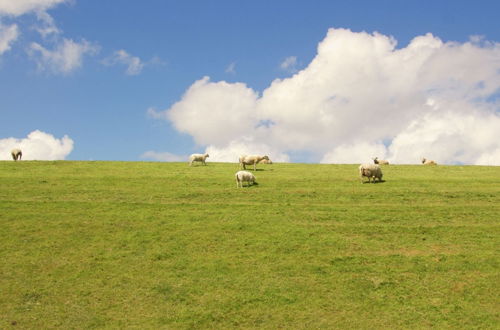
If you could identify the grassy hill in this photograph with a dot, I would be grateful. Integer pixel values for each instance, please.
(164, 245)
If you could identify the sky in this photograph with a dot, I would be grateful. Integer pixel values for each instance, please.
(300, 81)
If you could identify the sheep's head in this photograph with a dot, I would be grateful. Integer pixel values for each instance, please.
(423, 160)
(206, 155)
(265, 157)
(375, 160)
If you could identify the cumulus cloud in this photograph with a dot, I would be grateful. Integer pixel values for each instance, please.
(357, 152)
(215, 113)
(164, 156)
(37, 145)
(232, 152)
(21, 7)
(360, 97)
(65, 58)
(8, 34)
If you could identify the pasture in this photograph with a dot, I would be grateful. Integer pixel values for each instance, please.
(165, 245)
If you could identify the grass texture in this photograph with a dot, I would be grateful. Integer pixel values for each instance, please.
(151, 245)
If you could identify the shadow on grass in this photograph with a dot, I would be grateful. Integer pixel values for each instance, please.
(250, 186)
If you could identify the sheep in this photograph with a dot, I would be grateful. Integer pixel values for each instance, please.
(428, 162)
(244, 176)
(380, 161)
(198, 158)
(265, 161)
(251, 160)
(370, 171)
(16, 154)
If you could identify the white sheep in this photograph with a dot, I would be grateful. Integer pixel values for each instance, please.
(244, 176)
(380, 161)
(16, 154)
(428, 162)
(251, 160)
(198, 158)
(370, 171)
(265, 161)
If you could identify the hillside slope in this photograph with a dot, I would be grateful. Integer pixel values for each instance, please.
(152, 245)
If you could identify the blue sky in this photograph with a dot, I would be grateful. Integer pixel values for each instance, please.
(125, 93)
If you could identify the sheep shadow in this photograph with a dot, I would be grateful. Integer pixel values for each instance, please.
(381, 181)
(250, 185)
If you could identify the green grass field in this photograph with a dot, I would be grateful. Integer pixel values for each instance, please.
(165, 245)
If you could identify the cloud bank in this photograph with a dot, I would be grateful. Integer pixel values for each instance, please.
(37, 145)
(360, 97)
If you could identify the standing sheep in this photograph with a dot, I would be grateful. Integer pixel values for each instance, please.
(16, 154)
(370, 171)
(380, 161)
(428, 162)
(244, 176)
(198, 158)
(251, 160)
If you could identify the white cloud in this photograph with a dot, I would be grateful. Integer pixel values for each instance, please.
(65, 58)
(361, 152)
(361, 97)
(231, 68)
(164, 156)
(48, 26)
(215, 113)
(37, 145)
(449, 137)
(133, 63)
(289, 64)
(8, 34)
(156, 114)
(67, 54)
(21, 7)
(230, 153)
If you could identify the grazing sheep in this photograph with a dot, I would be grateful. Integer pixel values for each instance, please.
(244, 176)
(198, 158)
(380, 161)
(265, 161)
(16, 154)
(251, 160)
(428, 162)
(370, 171)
